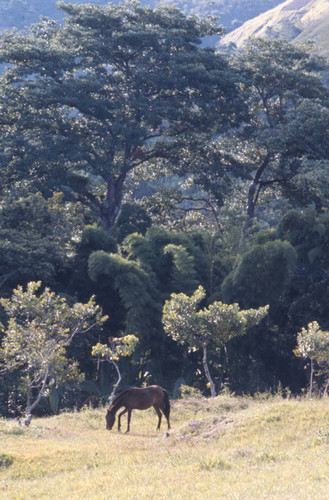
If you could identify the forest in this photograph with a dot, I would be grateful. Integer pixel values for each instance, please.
(163, 210)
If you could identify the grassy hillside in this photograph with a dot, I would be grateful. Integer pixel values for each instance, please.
(293, 20)
(318, 32)
(230, 448)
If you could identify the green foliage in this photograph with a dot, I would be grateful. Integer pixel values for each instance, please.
(288, 119)
(81, 286)
(132, 219)
(188, 392)
(144, 273)
(92, 239)
(90, 110)
(37, 236)
(40, 328)
(312, 343)
(262, 275)
(179, 318)
(197, 328)
(54, 400)
(135, 287)
(120, 347)
(121, 95)
(308, 232)
(183, 272)
(178, 260)
(218, 323)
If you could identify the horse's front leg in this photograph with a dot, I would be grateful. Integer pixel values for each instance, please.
(129, 418)
(119, 418)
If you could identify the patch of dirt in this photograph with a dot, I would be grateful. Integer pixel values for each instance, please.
(204, 428)
(210, 405)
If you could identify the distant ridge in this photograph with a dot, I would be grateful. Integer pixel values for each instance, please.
(294, 20)
(296, 4)
(231, 13)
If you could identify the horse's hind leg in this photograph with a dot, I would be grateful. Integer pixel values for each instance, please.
(129, 418)
(159, 415)
(166, 412)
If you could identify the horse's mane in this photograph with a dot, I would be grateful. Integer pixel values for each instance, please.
(118, 397)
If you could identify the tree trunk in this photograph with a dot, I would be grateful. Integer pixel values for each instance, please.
(30, 407)
(311, 379)
(28, 415)
(207, 372)
(111, 398)
(253, 195)
(326, 388)
(112, 204)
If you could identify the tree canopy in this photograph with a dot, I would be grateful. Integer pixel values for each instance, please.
(40, 328)
(285, 137)
(141, 167)
(85, 104)
(218, 323)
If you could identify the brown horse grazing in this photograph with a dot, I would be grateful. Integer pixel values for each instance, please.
(137, 398)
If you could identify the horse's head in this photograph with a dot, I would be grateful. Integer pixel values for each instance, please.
(110, 419)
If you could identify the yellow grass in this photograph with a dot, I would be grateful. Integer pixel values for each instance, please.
(222, 448)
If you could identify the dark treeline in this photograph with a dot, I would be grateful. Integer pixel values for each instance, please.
(137, 163)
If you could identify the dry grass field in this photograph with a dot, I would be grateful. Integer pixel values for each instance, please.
(221, 448)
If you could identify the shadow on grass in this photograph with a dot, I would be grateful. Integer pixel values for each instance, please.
(5, 461)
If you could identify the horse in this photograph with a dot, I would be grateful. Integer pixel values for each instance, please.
(139, 398)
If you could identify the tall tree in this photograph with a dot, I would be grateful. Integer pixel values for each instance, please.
(85, 104)
(40, 328)
(197, 328)
(286, 136)
(313, 343)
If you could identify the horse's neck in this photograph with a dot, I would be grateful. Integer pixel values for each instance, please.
(116, 405)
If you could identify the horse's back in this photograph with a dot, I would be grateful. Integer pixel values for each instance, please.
(141, 398)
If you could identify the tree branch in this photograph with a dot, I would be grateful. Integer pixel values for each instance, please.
(196, 209)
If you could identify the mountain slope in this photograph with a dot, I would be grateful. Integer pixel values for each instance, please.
(318, 32)
(293, 20)
(231, 13)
